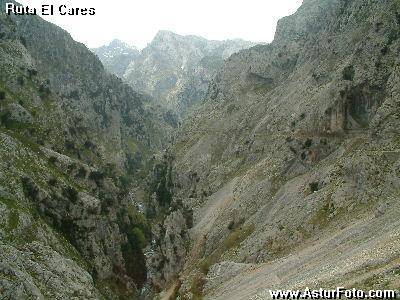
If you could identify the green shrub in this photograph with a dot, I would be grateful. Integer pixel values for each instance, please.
(53, 159)
(314, 186)
(88, 145)
(136, 237)
(70, 193)
(69, 229)
(231, 225)
(393, 36)
(106, 201)
(44, 91)
(308, 143)
(71, 167)
(135, 263)
(70, 145)
(81, 173)
(20, 80)
(234, 224)
(97, 177)
(2, 95)
(22, 40)
(110, 170)
(124, 183)
(32, 72)
(5, 119)
(74, 95)
(29, 187)
(160, 182)
(52, 182)
(348, 73)
(131, 164)
(164, 196)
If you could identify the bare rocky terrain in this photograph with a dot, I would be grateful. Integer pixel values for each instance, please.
(117, 56)
(174, 69)
(285, 176)
(291, 165)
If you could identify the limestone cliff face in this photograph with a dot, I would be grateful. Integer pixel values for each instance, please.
(176, 70)
(294, 156)
(110, 109)
(72, 140)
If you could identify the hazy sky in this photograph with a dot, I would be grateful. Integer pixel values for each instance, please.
(136, 22)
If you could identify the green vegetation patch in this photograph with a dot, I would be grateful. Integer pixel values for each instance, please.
(9, 123)
(233, 240)
(13, 215)
(113, 288)
(321, 217)
(13, 219)
(197, 286)
(10, 203)
(348, 73)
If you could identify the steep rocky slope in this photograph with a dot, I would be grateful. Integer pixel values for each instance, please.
(291, 167)
(176, 70)
(72, 140)
(288, 175)
(117, 56)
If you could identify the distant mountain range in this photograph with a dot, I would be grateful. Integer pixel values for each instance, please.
(174, 69)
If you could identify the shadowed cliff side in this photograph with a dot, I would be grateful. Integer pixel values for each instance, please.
(73, 140)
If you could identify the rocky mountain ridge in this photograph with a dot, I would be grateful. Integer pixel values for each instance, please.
(176, 70)
(117, 56)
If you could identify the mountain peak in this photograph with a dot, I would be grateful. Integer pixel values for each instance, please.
(162, 33)
(116, 56)
(116, 43)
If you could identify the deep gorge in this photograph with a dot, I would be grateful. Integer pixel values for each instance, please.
(198, 169)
